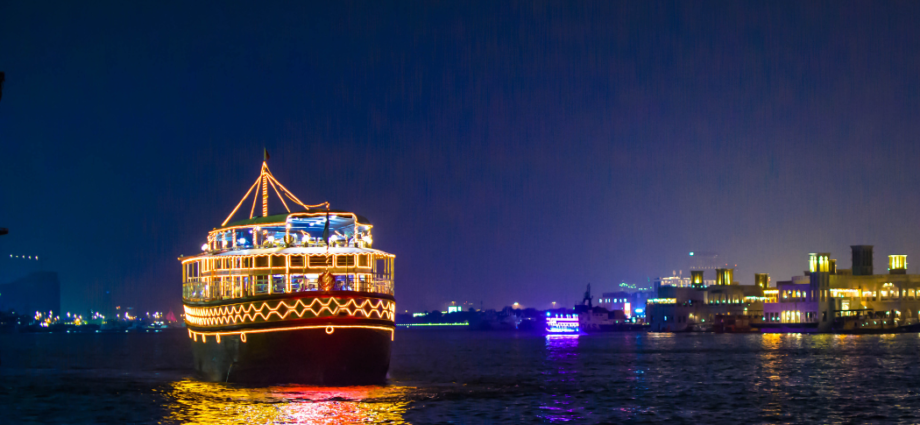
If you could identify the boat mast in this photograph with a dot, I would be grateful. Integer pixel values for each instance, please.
(266, 178)
(265, 185)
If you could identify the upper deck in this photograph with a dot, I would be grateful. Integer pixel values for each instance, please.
(286, 253)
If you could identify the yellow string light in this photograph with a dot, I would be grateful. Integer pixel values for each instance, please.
(265, 178)
(279, 196)
(240, 203)
(255, 200)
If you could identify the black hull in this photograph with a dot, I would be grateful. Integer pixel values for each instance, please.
(347, 356)
(311, 338)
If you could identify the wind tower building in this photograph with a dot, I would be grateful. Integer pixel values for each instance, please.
(696, 279)
(724, 277)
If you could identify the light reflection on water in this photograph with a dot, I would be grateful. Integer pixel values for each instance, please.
(561, 353)
(210, 403)
(460, 376)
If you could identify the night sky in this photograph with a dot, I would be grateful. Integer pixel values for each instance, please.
(503, 152)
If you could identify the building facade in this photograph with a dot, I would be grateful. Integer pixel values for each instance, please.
(828, 299)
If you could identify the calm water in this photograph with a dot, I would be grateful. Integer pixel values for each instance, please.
(458, 376)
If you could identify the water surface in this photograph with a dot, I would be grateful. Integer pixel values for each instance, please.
(460, 376)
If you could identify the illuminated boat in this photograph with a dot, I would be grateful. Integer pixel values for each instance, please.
(565, 324)
(299, 297)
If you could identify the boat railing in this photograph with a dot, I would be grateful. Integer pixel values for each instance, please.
(196, 289)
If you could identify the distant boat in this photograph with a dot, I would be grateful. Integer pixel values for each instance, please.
(562, 323)
(299, 297)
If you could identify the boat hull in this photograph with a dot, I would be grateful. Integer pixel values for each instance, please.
(346, 356)
(319, 338)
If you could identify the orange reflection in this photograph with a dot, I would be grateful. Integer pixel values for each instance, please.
(213, 403)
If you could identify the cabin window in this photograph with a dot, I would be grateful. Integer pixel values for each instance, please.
(344, 283)
(192, 270)
(246, 283)
(296, 261)
(364, 260)
(247, 262)
(227, 287)
(297, 281)
(261, 286)
(237, 287)
(320, 260)
(278, 261)
(310, 283)
(345, 260)
(279, 286)
(261, 262)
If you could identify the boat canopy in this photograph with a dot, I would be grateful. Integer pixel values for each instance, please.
(306, 228)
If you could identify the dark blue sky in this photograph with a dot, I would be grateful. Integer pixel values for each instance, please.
(504, 152)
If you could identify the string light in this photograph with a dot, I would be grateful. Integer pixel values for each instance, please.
(279, 196)
(194, 334)
(264, 191)
(240, 203)
(248, 312)
(209, 274)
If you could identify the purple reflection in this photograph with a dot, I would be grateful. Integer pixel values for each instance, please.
(558, 404)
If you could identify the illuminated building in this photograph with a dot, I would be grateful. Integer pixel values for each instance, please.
(697, 307)
(675, 281)
(628, 302)
(828, 299)
(724, 277)
(294, 297)
(696, 279)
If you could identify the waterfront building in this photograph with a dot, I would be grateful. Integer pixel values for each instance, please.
(846, 300)
(631, 303)
(697, 307)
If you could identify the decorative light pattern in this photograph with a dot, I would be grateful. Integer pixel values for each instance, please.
(266, 178)
(242, 334)
(562, 323)
(256, 312)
